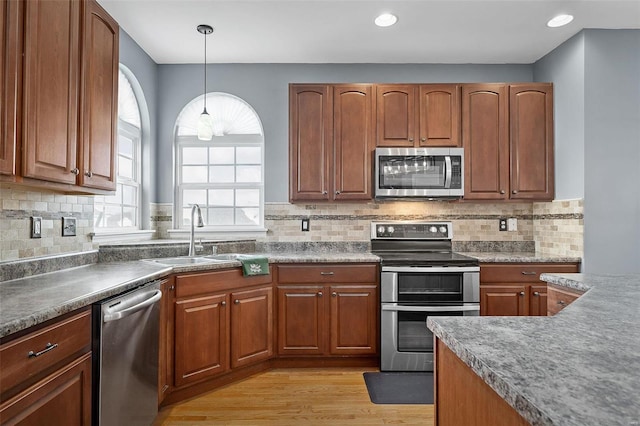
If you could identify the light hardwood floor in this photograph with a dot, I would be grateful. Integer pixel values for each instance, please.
(294, 397)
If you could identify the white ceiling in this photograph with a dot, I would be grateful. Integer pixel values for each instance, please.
(342, 31)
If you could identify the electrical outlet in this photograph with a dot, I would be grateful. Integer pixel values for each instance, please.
(68, 226)
(36, 227)
(512, 224)
(305, 225)
(502, 225)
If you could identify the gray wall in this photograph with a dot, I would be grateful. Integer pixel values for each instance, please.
(145, 71)
(564, 66)
(265, 88)
(612, 151)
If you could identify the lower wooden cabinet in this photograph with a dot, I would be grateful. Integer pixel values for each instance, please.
(328, 310)
(512, 289)
(222, 320)
(559, 298)
(45, 375)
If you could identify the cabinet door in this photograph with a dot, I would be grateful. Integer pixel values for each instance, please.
(531, 126)
(538, 300)
(353, 141)
(10, 67)
(201, 338)
(99, 112)
(251, 326)
(301, 320)
(396, 114)
(310, 142)
(504, 300)
(50, 91)
(485, 141)
(354, 320)
(62, 398)
(439, 115)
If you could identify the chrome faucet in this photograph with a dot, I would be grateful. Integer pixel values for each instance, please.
(192, 244)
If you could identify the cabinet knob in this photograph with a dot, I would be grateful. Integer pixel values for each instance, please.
(535, 293)
(514, 192)
(75, 171)
(223, 303)
(423, 139)
(334, 294)
(410, 139)
(324, 192)
(88, 173)
(237, 302)
(172, 288)
(502, 191)
(337, 192)
(522, 293)
(319, 294)
(562, 303)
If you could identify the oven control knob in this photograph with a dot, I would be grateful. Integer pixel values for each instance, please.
(390, 229)
(380, 230)
(443, 229)
(433, 229)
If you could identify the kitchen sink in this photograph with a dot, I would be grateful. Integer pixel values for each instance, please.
(184, 260)
(224, 256)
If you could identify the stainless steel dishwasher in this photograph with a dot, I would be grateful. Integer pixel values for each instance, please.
(125, 357)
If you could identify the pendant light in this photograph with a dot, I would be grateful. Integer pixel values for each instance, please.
(205, 122)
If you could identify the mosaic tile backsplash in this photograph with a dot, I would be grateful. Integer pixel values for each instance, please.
(554, 228)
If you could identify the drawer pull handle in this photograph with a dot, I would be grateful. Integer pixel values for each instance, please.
(535, 293)
(326, 273)
(529, 273)
(47, 348)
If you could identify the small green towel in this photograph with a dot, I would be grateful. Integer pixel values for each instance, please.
(254, 265)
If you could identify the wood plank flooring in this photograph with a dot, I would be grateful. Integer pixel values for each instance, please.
(336, 396)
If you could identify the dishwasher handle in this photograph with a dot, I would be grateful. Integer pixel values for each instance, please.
(114, 315)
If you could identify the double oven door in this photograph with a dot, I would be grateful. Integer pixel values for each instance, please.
(409, 296)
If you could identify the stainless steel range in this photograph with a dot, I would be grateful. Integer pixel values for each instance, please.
(420, 277)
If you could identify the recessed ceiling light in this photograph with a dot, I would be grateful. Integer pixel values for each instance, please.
(560, 20)
(386, 20)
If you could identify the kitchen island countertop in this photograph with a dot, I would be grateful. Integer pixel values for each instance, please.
(579, 367)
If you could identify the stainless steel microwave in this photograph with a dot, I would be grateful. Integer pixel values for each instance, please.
(419, 173)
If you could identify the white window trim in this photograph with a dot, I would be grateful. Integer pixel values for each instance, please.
(107, 236)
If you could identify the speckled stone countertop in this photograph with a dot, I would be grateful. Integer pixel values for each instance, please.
(577, 368)
(29, 301)
(519, 257)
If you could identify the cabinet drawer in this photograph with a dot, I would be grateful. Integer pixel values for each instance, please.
(522, 272)
(27, 356)
(327, 273)
(211, 282)
(559, 298)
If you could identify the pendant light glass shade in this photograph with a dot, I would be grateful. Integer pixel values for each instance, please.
(205, 122)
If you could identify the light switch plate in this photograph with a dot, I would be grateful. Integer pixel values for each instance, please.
(512, 224)
(36, 227)
(68, 226)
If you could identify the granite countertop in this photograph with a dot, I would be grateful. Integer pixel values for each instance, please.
(579, 367)
(520, 257)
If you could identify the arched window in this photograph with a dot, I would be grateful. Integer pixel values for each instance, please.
(224, 176)
(122, 210)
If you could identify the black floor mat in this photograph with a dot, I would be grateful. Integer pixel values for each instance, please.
(400, 388)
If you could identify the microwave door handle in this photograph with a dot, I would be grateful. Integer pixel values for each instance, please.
(447, 171)
(465, 308)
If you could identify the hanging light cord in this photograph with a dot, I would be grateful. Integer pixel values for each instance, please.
(205, 73)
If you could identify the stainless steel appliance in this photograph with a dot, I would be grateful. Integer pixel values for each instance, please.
(419, 172)
(420, 277)
(125, 363)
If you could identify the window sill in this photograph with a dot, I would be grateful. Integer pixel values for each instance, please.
(121, 235)
(212, 233)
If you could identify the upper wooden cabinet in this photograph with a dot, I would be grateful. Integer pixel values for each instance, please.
(531, 137)
(507, 133)
(67, 110)
(418, 115)
(10, 73)
(331, 142)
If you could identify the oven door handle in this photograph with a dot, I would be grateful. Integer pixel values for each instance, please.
(411, 308)
(434, 269)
